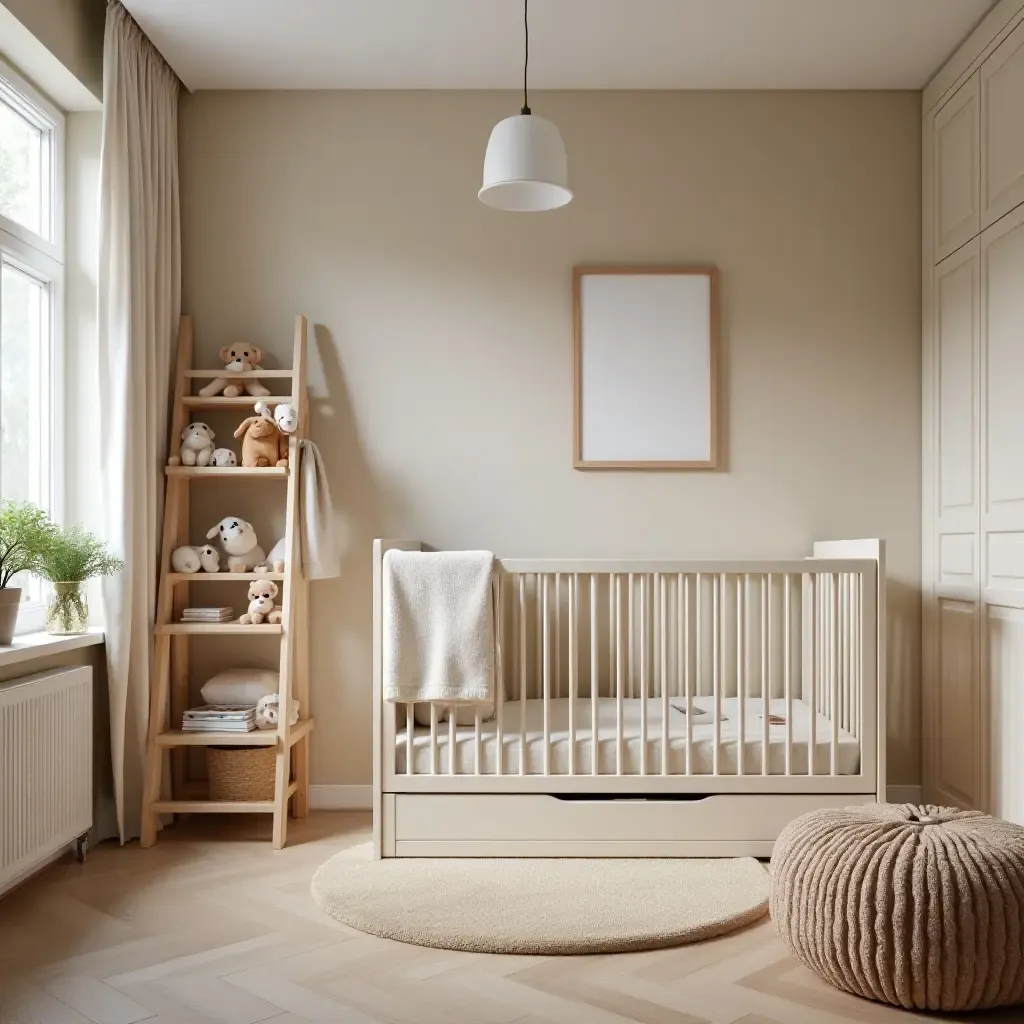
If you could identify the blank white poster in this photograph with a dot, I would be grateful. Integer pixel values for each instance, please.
(645, 368)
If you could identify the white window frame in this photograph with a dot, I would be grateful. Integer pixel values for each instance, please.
(42, 258)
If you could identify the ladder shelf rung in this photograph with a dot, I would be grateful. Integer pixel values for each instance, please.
(223, 577)
(240, 402)
(256, 738)
(219, 628)
(220, 806)
(237, 472)
(241, 375)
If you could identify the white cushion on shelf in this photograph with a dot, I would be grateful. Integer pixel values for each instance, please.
(240, 686)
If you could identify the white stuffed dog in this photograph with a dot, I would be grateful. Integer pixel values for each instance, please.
(261, 603)
(285, 416)
(238, 541)
(196, 446)
(275, 560)
(268, 711)
(237, 359)
(223, 457)
(192, 559)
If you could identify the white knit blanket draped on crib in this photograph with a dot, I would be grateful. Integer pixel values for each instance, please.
(438, 627)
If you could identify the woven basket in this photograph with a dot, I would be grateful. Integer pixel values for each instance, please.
(241, 773)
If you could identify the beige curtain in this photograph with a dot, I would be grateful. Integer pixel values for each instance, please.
(139, 308)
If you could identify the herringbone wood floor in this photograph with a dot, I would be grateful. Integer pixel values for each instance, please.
(212, 925)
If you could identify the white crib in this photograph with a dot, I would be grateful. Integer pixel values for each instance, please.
(630, 717)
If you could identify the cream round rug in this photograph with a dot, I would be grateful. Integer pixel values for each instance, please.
(541, 906)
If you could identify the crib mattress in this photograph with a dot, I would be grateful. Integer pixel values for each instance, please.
(702, 750)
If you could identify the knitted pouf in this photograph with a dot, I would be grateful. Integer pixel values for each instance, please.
(920, 907)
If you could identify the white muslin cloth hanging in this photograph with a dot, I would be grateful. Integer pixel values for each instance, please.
(438, 626)
(321, 559)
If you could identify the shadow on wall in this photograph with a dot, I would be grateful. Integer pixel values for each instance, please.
(903, 695)
(340, 610)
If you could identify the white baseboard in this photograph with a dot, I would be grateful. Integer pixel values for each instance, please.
(340, 798)
(360, 798)
(904, 794)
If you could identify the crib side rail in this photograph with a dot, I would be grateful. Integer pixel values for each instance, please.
(600, 640)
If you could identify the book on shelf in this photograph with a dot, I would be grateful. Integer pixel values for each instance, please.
(207, 615)
(219, 718)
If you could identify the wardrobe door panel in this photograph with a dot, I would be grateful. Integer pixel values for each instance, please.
(1002, 128)
(958, 705)
(957, 158)
(1004, 648)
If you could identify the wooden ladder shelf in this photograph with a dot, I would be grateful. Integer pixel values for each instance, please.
(169, 687)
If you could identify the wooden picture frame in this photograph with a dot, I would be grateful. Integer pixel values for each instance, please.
(625, 413)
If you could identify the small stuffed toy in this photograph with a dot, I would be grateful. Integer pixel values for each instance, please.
(237, 359)
(268, 711)
(223, 457)
(196, 446)
(261, 603)
(192, 559)
(284, 416)
(262, 443)
(238, 541)
(275, 560)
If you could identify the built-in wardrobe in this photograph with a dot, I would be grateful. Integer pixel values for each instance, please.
(973, 421)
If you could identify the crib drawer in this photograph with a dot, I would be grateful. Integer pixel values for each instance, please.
(538, 825)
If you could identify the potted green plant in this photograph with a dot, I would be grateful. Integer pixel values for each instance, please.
(68, 560)
(25, 532)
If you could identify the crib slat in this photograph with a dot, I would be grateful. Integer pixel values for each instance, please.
(522, 673)
(410, 732)
(698, 655)
(558, 635)
(717, 597)
(766, 581)
(573, 668)
(684, 631)
(546, 672)
(499, 703)
(476, 742)
(812, 749)
(618, 675)
(664, 680)
(630, 665)
(643, 672)
(594, 679)
(834, 758)
(787, 598)
(433, 739)
(452, 724)
(742, 590)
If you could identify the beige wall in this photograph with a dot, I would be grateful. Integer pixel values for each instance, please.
(441, 388)
(72, 30)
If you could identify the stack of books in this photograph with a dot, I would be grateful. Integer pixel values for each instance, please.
(208, 615)
(219, 718)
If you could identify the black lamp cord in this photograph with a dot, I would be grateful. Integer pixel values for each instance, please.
(526, 59)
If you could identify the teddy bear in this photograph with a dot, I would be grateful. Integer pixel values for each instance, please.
(239, 543)
(237, 359)
(261, 603)
(196, 446)
(192, 559)
(223, 457)
(268, 711)
(262, 443)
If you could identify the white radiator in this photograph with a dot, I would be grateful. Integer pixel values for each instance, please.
(45, 768)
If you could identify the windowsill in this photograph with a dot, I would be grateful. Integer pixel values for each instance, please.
(30, 646)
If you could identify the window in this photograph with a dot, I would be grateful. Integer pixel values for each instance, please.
(31, 307)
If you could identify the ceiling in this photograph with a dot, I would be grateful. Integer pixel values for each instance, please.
(575, 44)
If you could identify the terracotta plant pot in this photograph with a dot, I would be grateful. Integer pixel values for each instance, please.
(10, 601)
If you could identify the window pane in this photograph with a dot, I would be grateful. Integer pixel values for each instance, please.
(24, 357)
(21, 170)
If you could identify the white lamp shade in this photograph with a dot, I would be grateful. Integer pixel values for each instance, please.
(525, 168)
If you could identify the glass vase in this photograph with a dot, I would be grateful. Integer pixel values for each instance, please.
(67, 610)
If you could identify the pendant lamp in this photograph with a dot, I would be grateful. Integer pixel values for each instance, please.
(525, 168)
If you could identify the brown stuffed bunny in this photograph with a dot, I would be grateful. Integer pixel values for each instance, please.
(262, 443)
(237, 359)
